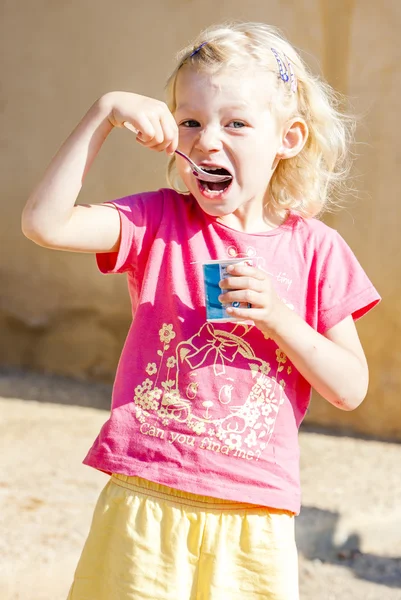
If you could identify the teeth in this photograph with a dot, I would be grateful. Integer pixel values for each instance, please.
(213, 169)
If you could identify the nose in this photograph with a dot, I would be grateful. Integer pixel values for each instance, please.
(209, 140)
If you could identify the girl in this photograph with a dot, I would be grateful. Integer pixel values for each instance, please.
(201, 444)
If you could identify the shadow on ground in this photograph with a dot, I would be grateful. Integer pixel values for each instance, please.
(315, 531)
(54, 389)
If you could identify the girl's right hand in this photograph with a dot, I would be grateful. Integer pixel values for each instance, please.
(51, 217)
(151, 118)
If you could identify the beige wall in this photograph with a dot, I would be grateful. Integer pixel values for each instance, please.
(56, 312)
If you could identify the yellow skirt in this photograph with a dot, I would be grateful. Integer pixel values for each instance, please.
(151, 542)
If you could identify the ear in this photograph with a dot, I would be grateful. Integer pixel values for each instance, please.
(294, 138)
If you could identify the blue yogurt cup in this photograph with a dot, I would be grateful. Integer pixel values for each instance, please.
(213, 272)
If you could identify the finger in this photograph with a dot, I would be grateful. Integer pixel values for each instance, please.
(170, 129)
(167, 143)
(245, 314)
(131, 127)
(170, 150)
(149, 134)
(246, 269)
(244, 297)
(144, 144)
(158, 134)
(170, 136)
(176, 137)
(156, 147)
(242, 283)
(146, 130)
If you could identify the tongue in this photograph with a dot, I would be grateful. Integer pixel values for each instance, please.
(216, 185)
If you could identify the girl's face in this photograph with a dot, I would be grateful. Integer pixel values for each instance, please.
(225, 121)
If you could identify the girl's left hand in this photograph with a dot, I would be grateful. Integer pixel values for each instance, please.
(251, 285)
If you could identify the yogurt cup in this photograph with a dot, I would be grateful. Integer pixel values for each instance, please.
(213, 272)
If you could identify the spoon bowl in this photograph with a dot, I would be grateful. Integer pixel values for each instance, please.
(201, 173)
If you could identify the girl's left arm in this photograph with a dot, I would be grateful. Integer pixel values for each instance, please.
(333, 363)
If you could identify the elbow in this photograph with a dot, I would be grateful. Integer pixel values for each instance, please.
(351, 390)
(34, 230)
(354, 396)
(349, 403)
(30, 231)
(27, 229)
(357, 386)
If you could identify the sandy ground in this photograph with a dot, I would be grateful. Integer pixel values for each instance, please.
(349, 531)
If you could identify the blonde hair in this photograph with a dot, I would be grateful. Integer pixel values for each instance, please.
(315, 179)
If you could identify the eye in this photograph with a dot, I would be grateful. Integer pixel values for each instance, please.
(236, 124)
(190, 123)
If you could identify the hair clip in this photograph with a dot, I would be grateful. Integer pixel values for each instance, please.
(197, 49)
(286, 71)
(281, 67)
(293, 79)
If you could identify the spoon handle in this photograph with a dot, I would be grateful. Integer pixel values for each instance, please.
(129, 126)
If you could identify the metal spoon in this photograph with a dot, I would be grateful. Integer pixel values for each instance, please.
(196, 171)
(200, 173)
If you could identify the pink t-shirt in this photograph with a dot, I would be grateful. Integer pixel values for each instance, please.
(211, 408)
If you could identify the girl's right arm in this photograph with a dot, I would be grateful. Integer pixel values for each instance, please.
(51, 218)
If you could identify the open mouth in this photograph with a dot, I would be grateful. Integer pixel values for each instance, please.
(215, 186)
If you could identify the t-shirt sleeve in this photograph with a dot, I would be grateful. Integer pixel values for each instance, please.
(140, 217)
(344, 287)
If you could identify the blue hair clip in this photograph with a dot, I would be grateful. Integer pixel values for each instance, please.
(286, 71)
(293, 79)
(197, 49)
